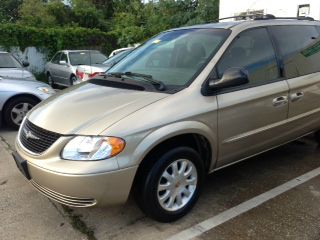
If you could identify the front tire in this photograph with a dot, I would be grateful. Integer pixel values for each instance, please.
(171, 187)
(17, 109)
(50, 80)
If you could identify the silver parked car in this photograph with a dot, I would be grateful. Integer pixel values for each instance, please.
(10, 67)
(18, 96)
(186, 103)
(85, 72)
(61, 70)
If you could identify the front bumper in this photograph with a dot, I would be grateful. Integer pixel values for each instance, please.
(108, 188)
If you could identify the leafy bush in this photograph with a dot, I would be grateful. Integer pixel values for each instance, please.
(53, 39)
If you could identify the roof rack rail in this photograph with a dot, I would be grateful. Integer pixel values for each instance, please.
(252, 16)
(266, 17)
(297, 18)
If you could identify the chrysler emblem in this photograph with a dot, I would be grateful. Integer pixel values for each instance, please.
(30, 135)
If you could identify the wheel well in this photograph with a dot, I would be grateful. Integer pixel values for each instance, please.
(17, 96)
(196, 141)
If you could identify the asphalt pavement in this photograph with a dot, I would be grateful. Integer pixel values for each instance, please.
(292, 214)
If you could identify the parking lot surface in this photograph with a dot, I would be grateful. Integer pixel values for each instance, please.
(293, 214)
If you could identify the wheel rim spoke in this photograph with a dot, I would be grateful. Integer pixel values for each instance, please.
(163, 187)
(183, 167)
(186, 192)
(15, 110)
(179, 199)
(170, 202)
(17, 119)
(168, 177)
(191, 181)
(188, 171)
(25, 107)
(175, 171)
(164, 197)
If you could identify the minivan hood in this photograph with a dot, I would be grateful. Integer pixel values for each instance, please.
(88, 109)
(16, 73)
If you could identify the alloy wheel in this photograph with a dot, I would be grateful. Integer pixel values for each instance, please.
(177, 185)
(19, 111)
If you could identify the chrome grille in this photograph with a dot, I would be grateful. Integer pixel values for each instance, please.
(36, 139)
(63, 199)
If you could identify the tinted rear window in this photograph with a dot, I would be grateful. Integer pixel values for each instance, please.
(299, 47)
(86, 58)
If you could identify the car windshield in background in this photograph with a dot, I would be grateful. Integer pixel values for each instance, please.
(117, 58)
(86, 58)
(7, 61)
(174, 57)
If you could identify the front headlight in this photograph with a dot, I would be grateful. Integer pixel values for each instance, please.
(92, 148)
(45, 90)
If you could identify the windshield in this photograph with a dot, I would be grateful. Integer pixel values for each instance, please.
(7, 61)
(116, 58)
(174, 57)
(86, 58)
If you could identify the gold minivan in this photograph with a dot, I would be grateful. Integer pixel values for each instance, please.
(184, 104)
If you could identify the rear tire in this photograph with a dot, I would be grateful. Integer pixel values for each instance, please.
(167, 198)
(17, 109)
(317, 137)
(73, 80)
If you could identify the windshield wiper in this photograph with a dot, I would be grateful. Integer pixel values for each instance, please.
(146, 77)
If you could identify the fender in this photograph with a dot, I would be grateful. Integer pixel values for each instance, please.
(178, 128)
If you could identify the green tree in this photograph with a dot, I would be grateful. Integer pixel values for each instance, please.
(207, 10)
(35, 13)
(106, 6)
(61, 12)
(9, 10)
(126, 29)
(85, 14)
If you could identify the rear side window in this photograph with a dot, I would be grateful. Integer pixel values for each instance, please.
(64, 57)
(253, 51)
(299, 47)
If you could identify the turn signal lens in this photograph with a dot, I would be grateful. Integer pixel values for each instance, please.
(117, 145)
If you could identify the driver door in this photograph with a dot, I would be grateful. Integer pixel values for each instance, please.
(251, 117)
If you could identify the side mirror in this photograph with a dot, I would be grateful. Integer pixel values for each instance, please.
(232, 77)
(62, 62)
(25, 64)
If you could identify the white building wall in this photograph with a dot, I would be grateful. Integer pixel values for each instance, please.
(36, 59)
(279, 8)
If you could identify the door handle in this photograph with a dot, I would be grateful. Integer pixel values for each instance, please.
(280, 101)
(296, 96)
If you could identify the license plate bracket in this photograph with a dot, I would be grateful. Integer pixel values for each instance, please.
(22, 165)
